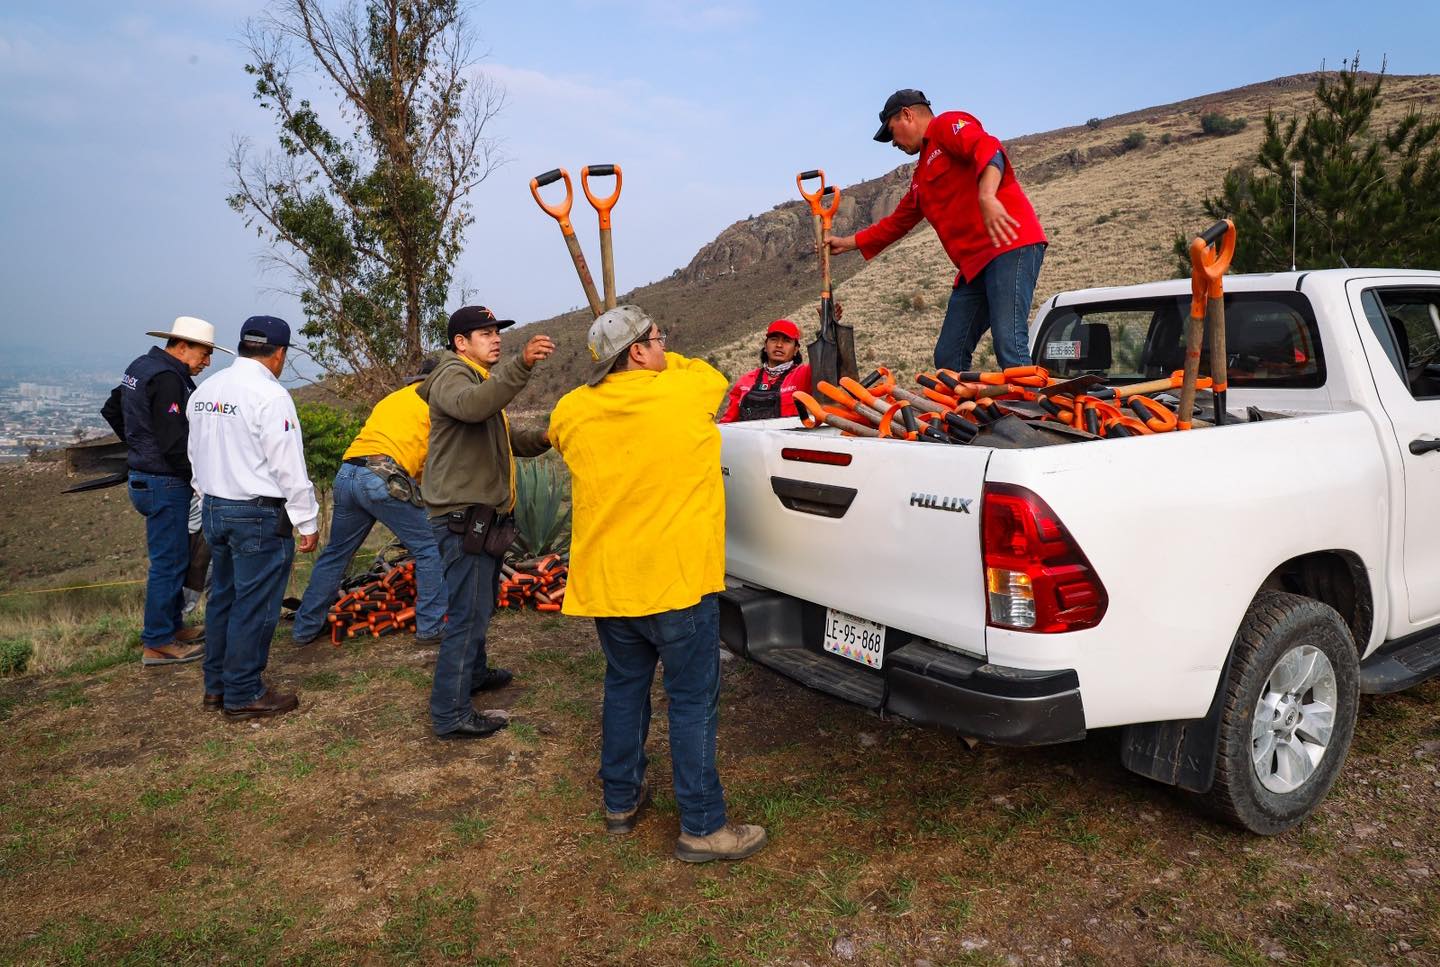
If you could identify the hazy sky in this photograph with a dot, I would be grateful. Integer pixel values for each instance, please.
(118, 119)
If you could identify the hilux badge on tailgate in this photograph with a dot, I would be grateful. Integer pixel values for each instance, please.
(957, 505)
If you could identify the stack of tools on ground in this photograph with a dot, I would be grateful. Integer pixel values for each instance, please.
(536, 581)
(959, 407)
(375, 604)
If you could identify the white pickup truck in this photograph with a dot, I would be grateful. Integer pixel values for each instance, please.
(1224, 594)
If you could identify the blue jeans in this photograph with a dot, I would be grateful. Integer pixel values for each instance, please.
(687, 642)
(997, 299)
(470, 580)
(360, 500)
(165, 504)
(250, 563)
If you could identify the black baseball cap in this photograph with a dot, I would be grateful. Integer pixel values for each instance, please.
(906, 97)
(264, 331)
(467, 319)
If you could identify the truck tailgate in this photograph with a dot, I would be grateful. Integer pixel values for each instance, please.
(893, 536)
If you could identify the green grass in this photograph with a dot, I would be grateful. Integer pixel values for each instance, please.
(321, 681)
(471, 829)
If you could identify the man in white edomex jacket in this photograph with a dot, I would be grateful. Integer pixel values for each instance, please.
(249, 466)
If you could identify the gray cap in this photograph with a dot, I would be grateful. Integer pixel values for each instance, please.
(612, 333)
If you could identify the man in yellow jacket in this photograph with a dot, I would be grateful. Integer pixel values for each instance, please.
(379, 480)
(647, 562)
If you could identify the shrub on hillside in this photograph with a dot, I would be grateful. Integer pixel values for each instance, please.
(328, 433)
(1093, 124)
(1133, 141)
(15, 655)
(1219, 125)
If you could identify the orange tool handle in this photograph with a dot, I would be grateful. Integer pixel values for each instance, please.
(836, 394)
(560, 212)
(812, 198)
(1157, 417)
(827, 214)
(1210, 255)
(853, 387)
(924, 404)
(812, 414)
(601, 205)
(844, 413)
(1130, 425)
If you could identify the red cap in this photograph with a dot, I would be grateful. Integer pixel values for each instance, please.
(785, 328)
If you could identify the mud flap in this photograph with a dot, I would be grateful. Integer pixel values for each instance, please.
(1180, 752)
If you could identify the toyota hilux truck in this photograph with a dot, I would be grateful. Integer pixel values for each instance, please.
(1224, 595)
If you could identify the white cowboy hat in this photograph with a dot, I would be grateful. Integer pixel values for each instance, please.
(193, 330)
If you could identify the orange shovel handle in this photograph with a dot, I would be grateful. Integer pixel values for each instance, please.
(560, 212)
(601, 205)
(827, 214)
(812, 197)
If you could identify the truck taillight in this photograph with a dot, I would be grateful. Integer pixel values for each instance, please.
(1036, 577)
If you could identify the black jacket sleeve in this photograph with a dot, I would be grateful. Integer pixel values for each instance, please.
(114, 414)
(168, 423)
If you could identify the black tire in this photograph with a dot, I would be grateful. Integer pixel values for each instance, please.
(1275, 624)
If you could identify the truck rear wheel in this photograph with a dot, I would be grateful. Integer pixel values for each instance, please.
(1289, 713)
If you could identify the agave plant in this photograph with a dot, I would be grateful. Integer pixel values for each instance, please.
(542, 508)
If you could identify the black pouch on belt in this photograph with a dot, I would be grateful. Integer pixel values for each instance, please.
(503, 531)
(476, 524)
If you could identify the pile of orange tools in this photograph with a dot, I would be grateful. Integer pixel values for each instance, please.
(384, 604)
(538, 582)
(954, 407)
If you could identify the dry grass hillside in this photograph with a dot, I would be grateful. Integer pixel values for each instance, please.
(1110, 214)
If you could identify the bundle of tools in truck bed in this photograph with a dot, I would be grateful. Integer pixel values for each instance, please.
(538, 582)
(1022, 406)
(950, 407)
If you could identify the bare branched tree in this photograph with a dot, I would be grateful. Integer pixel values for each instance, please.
(366, 211)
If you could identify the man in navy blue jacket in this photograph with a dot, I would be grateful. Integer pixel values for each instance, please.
(148, 411)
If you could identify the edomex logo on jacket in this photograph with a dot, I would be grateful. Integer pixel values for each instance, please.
(224, 409)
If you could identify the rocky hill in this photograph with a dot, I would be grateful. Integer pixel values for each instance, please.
(1111, 209)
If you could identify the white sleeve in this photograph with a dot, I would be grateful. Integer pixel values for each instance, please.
(279, 438)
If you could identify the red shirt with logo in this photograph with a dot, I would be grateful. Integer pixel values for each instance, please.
(945, 190)
(794, 378)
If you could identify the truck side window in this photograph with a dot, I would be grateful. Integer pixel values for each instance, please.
(1412, 316)
(1380, 325)
(1271, 340)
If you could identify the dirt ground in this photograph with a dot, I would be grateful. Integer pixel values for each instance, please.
(137, 828)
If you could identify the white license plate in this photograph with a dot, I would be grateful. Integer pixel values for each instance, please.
(854, 638)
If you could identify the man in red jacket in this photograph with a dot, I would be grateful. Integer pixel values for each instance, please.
(964, 185)
(769, 391)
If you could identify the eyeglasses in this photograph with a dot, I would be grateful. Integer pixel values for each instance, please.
(660, 338)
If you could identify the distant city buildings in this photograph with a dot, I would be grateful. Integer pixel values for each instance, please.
(44, 416)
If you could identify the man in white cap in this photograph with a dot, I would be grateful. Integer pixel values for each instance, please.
(250, 471)
(647, 562)
(147, 411)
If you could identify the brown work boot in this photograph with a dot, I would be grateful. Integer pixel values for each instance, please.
(619, 824)
(729, 842)
(271, 703)
(174, 653)
(189, 636)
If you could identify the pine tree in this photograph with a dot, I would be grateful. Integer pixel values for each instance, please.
(1364, 197)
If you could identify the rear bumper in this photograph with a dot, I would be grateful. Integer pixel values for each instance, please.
(920, 681)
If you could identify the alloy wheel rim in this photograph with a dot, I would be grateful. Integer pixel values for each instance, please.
(1294, 719)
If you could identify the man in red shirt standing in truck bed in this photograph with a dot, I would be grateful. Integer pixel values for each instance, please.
(964, 185)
